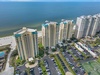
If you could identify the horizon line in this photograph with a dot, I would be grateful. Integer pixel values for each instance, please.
(49, 1)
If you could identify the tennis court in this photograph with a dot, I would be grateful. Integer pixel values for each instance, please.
(92, 67)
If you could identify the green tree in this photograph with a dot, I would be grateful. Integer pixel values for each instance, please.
(15, 52)
(41, 50)
(61, 50)
(64, 41)
(53, 49)
(28, 71)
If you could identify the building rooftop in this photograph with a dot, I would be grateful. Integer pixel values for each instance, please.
(82, 16)
(49, 23)
(65, 21)
(24, 29)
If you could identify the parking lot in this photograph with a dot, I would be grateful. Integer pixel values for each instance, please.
(69, 58)
(56, 67)
(64, 67)
(36, 71)
(51, 67)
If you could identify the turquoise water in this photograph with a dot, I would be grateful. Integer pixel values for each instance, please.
(14, 15)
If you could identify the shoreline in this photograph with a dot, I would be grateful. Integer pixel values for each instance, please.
(10, 32)
(39, 34)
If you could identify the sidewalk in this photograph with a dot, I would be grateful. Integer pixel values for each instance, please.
(10, 71)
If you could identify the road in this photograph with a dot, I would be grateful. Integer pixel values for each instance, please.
(51, 65)
(36, 71)
(7, 63)
(13, 46)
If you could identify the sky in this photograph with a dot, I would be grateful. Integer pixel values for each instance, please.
(54, 0)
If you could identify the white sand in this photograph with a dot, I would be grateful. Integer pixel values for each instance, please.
(8, 40)
(11, 40)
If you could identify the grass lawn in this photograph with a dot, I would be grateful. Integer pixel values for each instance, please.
(95, 43)
(59, 64)
(98, 59)
(92, 67)
(67, 64)
(43, 67)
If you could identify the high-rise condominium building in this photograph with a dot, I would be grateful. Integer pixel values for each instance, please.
(27, 44)
(98, 28)
(50, 32)
(94, 25)
(65, 30)
(86, 26)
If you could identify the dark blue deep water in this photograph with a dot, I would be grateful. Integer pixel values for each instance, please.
(14, 15)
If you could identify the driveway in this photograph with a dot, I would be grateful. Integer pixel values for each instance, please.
(51, 65)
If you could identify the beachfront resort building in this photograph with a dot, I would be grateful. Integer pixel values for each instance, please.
(86, 26)
(27, 43)
(65, 30)
(98, 28)
(50, 33)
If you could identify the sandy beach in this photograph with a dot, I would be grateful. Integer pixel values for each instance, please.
(11, 40)
(8, 40)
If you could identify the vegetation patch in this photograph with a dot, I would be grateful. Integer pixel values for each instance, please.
(43, 67)
(41, 50)
(66, 63)
(59, 65)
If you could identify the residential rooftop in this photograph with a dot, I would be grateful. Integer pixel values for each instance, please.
(63, 21)
(24, 29)
(49, 23)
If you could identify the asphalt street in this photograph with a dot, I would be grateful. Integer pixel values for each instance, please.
(36, 72)
(51, 65)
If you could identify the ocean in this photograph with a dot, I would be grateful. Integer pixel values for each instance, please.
(15, 15)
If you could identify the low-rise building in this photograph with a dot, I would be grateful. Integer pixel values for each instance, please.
(88, 49)
(79, 47)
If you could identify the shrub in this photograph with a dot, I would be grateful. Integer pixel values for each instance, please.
(31, 62)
